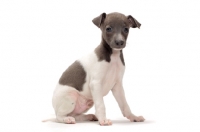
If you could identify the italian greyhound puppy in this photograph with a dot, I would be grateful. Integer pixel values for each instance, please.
(90, 78)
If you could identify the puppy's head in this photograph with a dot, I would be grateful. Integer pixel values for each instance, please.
(115, 28)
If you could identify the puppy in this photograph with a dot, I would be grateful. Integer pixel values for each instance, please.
(90, 78)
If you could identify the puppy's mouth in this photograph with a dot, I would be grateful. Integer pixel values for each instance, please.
(117, 49)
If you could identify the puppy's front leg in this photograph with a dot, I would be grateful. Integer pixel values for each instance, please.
(119, 95)
(96, 91)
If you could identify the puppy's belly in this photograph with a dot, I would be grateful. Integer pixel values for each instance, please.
(82, 105)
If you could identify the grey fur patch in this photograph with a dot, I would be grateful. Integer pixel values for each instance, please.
(122, 57)
(103, 51)
(74, 76)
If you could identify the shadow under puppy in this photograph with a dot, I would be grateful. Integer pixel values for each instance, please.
(91, 77)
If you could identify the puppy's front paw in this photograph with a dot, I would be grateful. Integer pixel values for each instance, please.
(105, 122)
(136, 118)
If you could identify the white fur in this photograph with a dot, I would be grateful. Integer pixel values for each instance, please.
(101, 77)
(107, 73)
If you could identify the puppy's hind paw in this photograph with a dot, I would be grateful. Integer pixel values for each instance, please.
(69, 120)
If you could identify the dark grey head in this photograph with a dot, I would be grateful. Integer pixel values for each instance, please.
(115, 28)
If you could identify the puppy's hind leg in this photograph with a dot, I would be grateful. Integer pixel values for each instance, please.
(64, 104)
(67, 106)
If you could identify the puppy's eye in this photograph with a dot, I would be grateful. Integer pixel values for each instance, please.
(126, 30)
(108, 29)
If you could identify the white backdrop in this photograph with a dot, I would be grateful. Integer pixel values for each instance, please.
(39, 39)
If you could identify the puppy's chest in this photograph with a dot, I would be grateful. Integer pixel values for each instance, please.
(113, 73)
(113, 70)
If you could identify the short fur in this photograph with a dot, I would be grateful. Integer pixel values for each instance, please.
(91, 77)
(74, 76)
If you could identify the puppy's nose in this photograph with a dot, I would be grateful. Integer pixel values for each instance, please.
(119, 42)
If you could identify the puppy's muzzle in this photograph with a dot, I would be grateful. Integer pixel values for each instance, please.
(119, 44)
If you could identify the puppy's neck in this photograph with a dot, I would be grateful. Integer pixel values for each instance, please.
(104, 46)
(104, 52)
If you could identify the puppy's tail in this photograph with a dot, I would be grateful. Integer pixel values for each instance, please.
(52, 119)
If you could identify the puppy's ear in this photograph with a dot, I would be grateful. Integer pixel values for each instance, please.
(133, 22)
(99, 20)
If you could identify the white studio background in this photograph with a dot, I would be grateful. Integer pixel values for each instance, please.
(39, 39)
